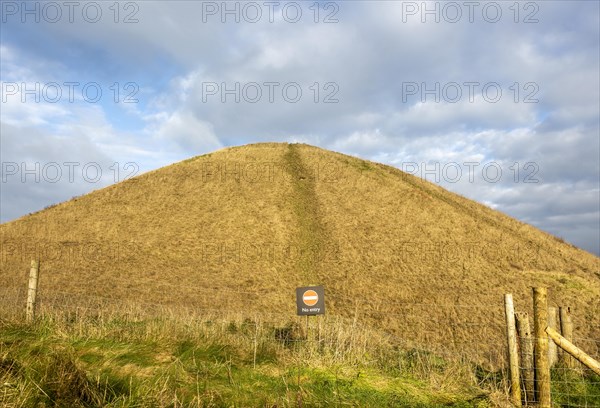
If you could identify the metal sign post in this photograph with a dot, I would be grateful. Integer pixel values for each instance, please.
(310, 301)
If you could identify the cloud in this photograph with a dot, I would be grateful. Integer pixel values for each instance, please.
(40, 169)
(367, 64)
(189, 133)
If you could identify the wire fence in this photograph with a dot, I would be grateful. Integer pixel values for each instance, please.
(572, 383)
(418, 329)
(348, 339)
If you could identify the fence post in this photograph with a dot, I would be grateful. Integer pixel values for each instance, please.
(32, 290)
(573, 350)
(552, 349)
(524, 330)
(566, 326)
(542, 369)
(513, 353)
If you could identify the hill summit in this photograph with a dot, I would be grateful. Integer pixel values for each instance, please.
(239, 229)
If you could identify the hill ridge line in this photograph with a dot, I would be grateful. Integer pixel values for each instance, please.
(452, 200)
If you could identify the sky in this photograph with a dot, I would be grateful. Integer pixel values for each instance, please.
(498, 101)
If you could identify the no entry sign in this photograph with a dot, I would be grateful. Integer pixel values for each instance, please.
(310, 300)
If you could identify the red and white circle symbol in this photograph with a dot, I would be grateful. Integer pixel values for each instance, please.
(310, 298)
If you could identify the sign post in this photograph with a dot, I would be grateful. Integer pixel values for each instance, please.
(310, 301)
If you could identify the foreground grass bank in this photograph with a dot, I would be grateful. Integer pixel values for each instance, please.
(124, 362)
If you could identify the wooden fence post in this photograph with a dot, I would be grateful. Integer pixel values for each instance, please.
(566, 326)
(573, 350)
(32, 290)
(524, 330)
(513, 352)
(542, 369)
(552, 349)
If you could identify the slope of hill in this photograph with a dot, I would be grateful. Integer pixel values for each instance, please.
(239, 229)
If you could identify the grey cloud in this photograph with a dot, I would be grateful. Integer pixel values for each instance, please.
(34, 173)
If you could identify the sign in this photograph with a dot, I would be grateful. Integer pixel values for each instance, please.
(310, 300)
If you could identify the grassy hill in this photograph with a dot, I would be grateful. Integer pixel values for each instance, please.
(239, 229)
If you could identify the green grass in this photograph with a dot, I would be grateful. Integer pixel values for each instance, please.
(134, 362)
(574, 388)
(174, 364)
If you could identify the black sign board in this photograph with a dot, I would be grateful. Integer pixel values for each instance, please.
(310, 300)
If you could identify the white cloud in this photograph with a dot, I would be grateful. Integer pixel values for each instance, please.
(190, 133)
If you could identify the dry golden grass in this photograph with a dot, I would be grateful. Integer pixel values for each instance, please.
(239, 229)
